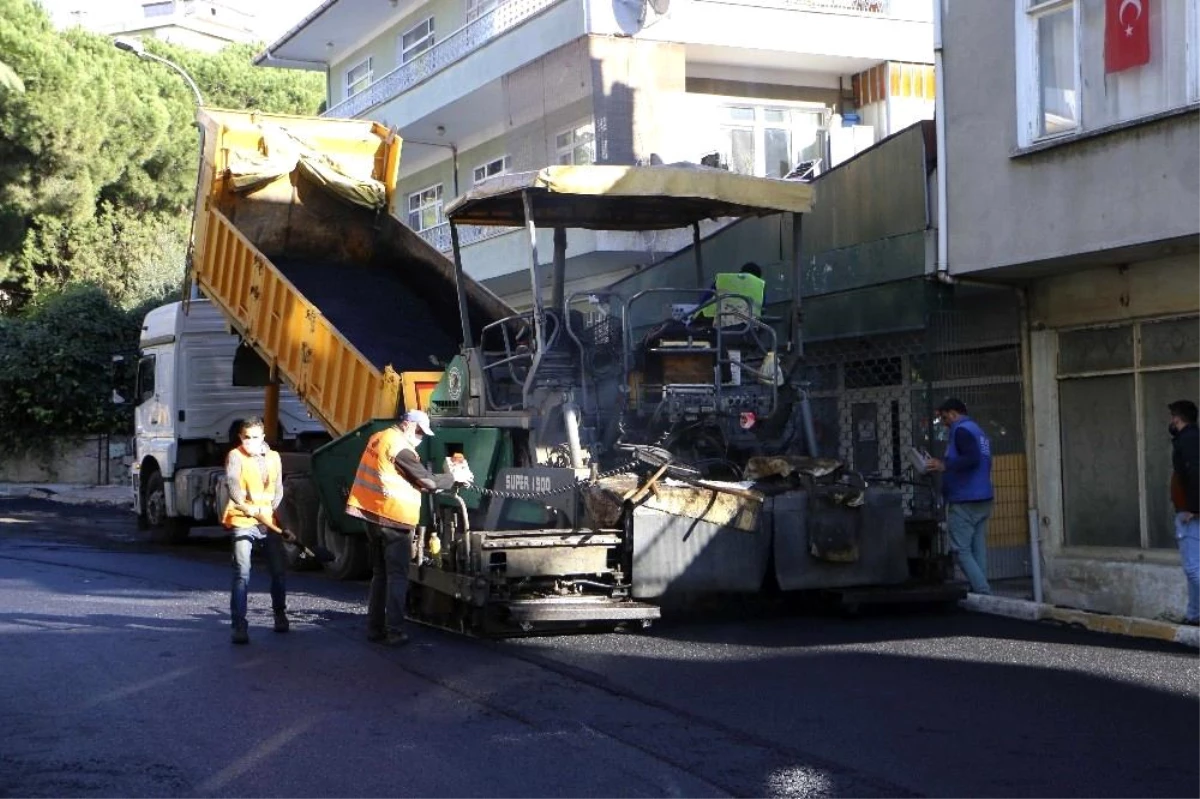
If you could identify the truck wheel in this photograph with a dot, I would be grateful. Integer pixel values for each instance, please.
(298, 513)
(163, 529)
(349, 551)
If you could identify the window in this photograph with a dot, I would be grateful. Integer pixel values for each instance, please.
(768, 141)
(1114, 387)
(477, 8)
(1065, 81)
(358, 78)
(491, 169)
(145, 379)
(416, 40)
(159, 9)
(577, 146)
(425, 208)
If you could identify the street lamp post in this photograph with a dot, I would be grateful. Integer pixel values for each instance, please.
(136, 47)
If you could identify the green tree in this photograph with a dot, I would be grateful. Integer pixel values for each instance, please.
(98, 154)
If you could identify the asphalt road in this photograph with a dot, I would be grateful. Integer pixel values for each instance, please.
(120, 681)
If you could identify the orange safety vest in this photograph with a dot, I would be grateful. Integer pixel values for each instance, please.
(258, 488)
(380, 492)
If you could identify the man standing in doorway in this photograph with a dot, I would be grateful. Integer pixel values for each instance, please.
(254, 477)
(1185, 495)
(387, 496)
(967, 487)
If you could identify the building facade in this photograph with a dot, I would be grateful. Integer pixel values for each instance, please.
(1072, 174)
(206, 25)
(478, 88)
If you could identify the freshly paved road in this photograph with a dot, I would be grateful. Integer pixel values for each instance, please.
(120, 680)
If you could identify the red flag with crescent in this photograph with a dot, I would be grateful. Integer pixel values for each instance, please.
(1126, 34)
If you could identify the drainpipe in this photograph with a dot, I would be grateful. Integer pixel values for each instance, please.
(939, 124)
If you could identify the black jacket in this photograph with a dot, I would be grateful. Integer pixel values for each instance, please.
(1185, 456)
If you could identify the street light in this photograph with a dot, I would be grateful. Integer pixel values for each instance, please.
(136, 47)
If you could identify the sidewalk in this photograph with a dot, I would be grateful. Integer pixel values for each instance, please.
(1014, 602)
(117, 496)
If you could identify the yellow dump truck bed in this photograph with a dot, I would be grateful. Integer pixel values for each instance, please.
(295, 242)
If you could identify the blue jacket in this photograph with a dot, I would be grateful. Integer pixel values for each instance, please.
(968, 460)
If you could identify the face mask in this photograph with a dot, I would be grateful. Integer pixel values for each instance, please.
(1171, 429)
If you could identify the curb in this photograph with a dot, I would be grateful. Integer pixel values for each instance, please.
(1096, 622)
(106, 496)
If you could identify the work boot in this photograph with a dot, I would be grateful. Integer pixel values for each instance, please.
(241, 633)
(281, 622)
(395, 639)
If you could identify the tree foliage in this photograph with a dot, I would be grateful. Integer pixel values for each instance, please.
(57, 371)
(98, 155)
(98, 160)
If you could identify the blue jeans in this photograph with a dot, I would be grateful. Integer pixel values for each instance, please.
(968, 522)
(244, 543)
(1187, 534)
(391, 552)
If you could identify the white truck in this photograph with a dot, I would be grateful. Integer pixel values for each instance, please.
(186, 414)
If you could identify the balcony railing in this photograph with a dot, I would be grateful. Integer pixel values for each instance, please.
(454, 47)
(872, 7)
(439, 236)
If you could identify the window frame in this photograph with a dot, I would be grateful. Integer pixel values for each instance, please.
(759, 125)
(1137, 371)
(576, 144)
(480, 8)
(439, 202)
(1028, 68)
(405, 54)
(505, 167)
(369, 77)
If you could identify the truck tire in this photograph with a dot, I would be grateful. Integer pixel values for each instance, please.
(164, 529)
(349, 551)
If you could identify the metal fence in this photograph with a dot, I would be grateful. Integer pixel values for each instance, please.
(873, 397)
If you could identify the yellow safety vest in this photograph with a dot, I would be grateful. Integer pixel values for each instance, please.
(379, 489)
(743, 284)
(258, 488)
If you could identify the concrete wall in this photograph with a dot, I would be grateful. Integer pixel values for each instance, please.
(94, 460)
(1122, 188)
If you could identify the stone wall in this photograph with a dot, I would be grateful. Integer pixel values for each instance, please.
(93, 460)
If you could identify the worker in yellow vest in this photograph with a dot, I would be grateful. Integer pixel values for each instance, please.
(254, 477)
(386, 495)
(747, 283)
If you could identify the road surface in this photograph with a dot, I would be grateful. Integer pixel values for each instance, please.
(120, 680)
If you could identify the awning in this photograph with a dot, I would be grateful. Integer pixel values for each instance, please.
(627, 197)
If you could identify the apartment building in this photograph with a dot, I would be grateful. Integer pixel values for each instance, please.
(206, 25)
(478, 88)
(1071, 172)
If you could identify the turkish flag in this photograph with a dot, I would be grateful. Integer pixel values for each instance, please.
(1126, 34)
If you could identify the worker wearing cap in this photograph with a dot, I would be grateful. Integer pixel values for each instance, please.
(387, 496)
(967, 487)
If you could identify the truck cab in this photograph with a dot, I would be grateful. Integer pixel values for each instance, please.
(186, 414)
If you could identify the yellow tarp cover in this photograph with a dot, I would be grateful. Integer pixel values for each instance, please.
(629, 197)
(280, 152)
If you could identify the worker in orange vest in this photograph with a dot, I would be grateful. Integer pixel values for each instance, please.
(254, 477)
(386, 495)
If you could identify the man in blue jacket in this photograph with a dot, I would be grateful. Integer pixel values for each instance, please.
(1185, 494)
(967, 486)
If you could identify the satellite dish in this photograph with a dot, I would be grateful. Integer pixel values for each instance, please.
(660, 6)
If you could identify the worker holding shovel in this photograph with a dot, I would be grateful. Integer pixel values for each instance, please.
(254, 476)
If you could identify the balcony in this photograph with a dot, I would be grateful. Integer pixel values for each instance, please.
(439, 235)
(455, 47)
(872, 7)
